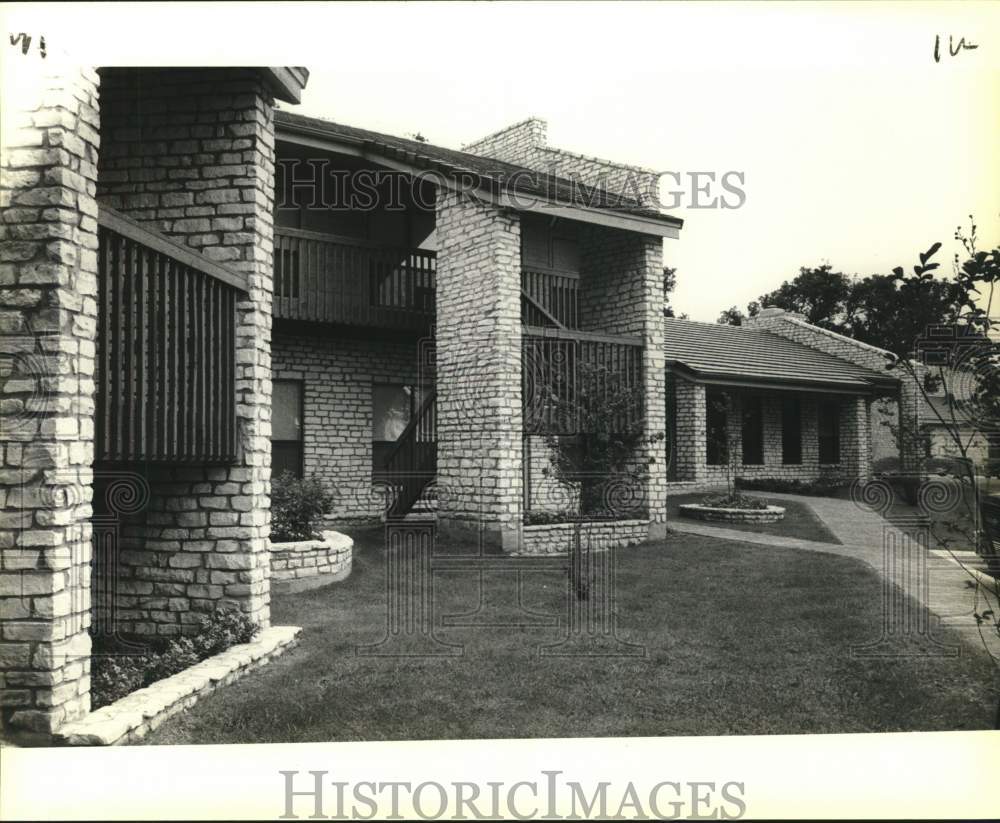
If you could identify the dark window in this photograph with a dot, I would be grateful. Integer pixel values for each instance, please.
(286, 427)
(791, 431)
(753, 432)
(393, 407)
(828, 427)
(715, 412)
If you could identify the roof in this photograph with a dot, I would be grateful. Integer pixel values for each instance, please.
(497, 175)
(745, 355)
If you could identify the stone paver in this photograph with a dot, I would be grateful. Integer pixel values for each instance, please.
(952, 585)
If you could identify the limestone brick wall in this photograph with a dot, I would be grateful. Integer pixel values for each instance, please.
(337, 377)
(621, 293)
(48, 286)
(480, 462)
(907, 409)
(691, 436)
(559, 538)
(525, 144)
(190, 153)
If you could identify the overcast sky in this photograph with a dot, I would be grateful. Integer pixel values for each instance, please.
(857, 148)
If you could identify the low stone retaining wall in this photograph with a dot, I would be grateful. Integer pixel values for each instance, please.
(308, 564)
(137, 714)
(772, 514)
(558, 538)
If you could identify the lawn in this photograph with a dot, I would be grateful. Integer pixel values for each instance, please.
(799, 520)
(739, 639)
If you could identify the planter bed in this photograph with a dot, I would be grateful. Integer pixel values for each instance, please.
(557, 538)
(308, 564)
(138, 713)
(771, 514)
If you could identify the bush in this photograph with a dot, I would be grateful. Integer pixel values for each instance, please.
(117, 669)
(734, 501)
(823, 487)
(885, 465)
(298, 506)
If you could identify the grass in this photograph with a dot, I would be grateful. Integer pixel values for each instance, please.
(739, 639)
(799, 520)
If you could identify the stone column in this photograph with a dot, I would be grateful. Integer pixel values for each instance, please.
(621, 292)
(48, 309)
(190, 153)
(692, 441)
(855, 446)
(479, 412)
(911, 447)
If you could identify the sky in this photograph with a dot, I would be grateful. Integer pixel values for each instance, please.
(857, 148)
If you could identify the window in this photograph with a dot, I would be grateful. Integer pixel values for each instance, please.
(753, 432)
(828, 427)
(715, 412)
(393, 406)
(791, 431)
(286, 427)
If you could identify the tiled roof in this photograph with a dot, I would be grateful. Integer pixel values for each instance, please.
(744, 353)
(497, 173)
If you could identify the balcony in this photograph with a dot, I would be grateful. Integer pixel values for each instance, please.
(326, 278)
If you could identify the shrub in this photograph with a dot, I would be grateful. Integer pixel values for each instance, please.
(298, 506)
(734, 501)
(885, 465)
(541, 518)
(823, 487)
(117, 670)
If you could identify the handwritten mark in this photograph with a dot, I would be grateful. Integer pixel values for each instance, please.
(25, 41)
(953, 48)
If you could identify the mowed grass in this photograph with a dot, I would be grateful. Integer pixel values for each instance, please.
(799, 520)
(738, 639)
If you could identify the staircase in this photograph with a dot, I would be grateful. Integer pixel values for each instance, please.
(412, 464)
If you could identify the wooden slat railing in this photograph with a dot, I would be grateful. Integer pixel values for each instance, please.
(332, 279)
(412, 462)
(565, 372)
(166, 349)
(555, 293)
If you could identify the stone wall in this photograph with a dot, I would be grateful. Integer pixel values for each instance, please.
(337, 376)
(621, 293)
(559, 538)
(190, 153)
(525, 144)
(479, 407)
(48, 310)
(308, 564)
(690, 450)
(795, 327)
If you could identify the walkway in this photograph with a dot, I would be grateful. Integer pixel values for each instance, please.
(952, 587)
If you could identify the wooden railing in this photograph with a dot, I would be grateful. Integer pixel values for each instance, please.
(552, 298)
(331, 279)
(569, 375)
(412, 462)
(166, 349)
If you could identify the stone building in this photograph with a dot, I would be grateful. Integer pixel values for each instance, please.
(198, 291)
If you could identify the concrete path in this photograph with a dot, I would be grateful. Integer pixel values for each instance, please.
(951, 585)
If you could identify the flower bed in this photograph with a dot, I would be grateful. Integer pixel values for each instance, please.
(699, 511)
(132, 717)
(308, 564)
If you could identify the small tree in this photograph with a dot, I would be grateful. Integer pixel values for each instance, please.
(603, 456)
(968, 355)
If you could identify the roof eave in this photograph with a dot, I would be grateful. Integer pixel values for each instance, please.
(311, 136)
(867, 388)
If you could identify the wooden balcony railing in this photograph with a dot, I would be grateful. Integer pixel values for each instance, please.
(331, 279)
(551, 299)
(568, 375)
(412, 462)
(166, 349)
